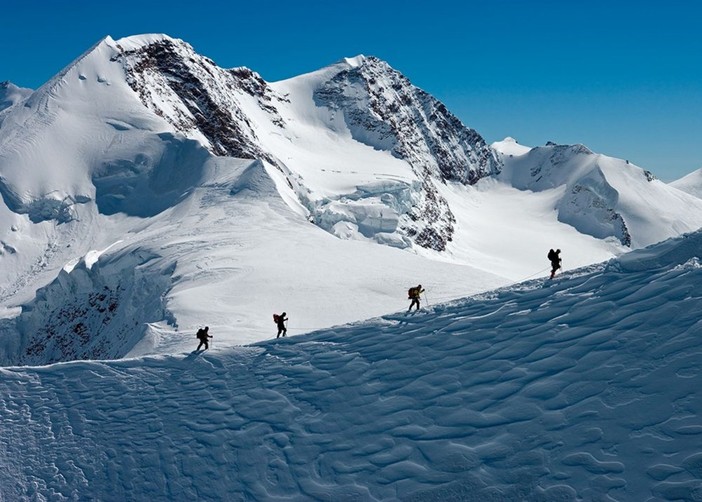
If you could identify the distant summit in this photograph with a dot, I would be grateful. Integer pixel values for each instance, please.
(382, 109)
(601, 196)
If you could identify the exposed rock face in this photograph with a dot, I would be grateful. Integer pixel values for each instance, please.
(97, 312)
(384, 110)
(198, 98)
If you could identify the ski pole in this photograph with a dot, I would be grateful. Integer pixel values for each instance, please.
(426, 299)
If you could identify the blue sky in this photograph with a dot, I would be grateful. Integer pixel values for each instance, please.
(622, 77)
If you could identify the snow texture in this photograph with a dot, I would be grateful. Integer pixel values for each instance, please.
(581, 388)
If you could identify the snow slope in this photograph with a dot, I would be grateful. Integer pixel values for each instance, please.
(581, 388)
(692, 183)
(231, 252)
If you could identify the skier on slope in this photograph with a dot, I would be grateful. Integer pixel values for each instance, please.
(555, 258)
(203, 335)
(280, 322)
(413, 294)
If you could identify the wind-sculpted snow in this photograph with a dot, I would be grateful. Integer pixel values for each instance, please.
(663, 255)
(581, 388)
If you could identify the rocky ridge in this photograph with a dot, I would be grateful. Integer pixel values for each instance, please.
(198, 98)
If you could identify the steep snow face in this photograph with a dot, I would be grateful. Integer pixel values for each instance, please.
(90, 312)
(50, 147)
(602, 196)
(147, 174)
(10, 95)
(81, 148)
(692, 183)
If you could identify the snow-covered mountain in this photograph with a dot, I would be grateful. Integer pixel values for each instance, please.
(584, 388)
(602, 196)
(692, 183)
(362, 100)
(147, 191)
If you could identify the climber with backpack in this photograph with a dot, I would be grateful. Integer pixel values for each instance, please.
(279, 320)
(414, 294)
(203, 335)
(555, 259)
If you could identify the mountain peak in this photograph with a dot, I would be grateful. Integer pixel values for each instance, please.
(382, 109)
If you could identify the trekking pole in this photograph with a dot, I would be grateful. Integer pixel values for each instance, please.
(426, 299)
